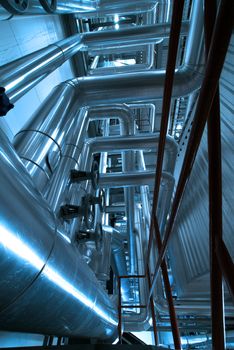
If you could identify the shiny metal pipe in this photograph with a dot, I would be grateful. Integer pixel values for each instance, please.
(135, 87)
(100, 42)
(119, 261)
(74, 140)
(39, 142)
(134, 178)
(43, 275)
(138, 142)
(21, 75)
(149, 86)
(121, 8)
(24, 218)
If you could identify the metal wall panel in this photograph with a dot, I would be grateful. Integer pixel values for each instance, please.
(189, 249)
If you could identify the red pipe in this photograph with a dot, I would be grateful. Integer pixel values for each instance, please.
(167, 93)
(226, 264)
(218, 49)
(215, 196)
(167, 286)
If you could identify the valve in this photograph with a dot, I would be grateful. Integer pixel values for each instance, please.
(100, 200)
(5, 105)
(77, 176)
(86, 209)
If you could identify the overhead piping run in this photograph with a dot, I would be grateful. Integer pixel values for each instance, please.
(122, 8)
(21, 75)
(43, 265)
(74, 143)
(137, 142)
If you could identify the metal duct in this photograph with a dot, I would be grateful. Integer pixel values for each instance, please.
(49, 278)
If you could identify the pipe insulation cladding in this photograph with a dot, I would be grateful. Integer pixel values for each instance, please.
(44, 276)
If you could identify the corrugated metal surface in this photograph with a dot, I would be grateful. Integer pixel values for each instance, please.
(189, 250)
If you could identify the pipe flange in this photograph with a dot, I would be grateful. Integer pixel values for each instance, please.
(16, 7)
(49, 6)
(88, 209)
(98, 236)
(100, 200)
(95, 175)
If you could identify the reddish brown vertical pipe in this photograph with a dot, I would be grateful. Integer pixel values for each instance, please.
(120, 311)
(218, 49)
(170, 70)
(226, 264)
(167, 93)
(215, 195)
(167, 286)
(152, 308)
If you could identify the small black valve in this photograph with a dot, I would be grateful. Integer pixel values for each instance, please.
(5, 105)
(77, 176)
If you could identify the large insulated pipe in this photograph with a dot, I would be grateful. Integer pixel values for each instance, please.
(39, 142)
(19, 76)
(44, 277)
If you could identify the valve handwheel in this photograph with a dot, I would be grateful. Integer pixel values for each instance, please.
(49, 6)
(17, 7)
